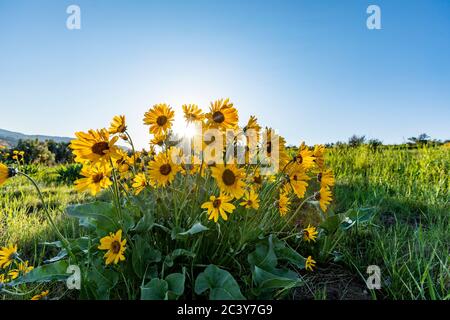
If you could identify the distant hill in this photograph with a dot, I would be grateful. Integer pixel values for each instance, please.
(10, 138)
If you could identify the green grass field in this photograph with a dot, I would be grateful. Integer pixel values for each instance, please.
(408, 238)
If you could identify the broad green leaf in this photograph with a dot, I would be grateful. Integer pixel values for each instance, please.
(284, 252)
(100, 216)
(175, 282)
(61, 255)
(220, 283)
(49, 272)
(156, 289)
(264, 255)
(196, 228)
(276, 278)
(169, 259)
(331, 223)
(143, 255)
(101, 280)
(145, 224)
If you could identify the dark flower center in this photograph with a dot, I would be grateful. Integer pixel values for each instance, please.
(115, 247)
(11, 172)
(317, 196)
(100, 148)
(218, 117)
(299, 159)
(228, 177)
(319, 177)
(257, 179)
(216, 203)
(97, 178)
(269, 147)
(165, 169)
(162, 120)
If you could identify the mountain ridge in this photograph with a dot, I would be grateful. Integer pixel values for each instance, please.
(11, 138)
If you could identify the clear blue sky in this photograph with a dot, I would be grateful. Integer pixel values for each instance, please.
(310, 69)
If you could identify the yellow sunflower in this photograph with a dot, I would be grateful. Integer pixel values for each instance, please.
(324, 197)
(310, 233)
(96, 178)
(7, 255)
(123, 162)
(283, 203)
(229, 178)
(140, 182)
(162, 170)
(318, 153)
(304, 157)
(251, 200)
(4, 278)
(310, 263)
(115, 246)
(158, 139)
(218, 205)
(94, 146)
(22, 268)
(6, 173)
(41, 295)
(298, 180)
(192, 113)
(255, 179)
(222, 115)
(252, 124)
(159, 118)
(326, 178)
(118, 125)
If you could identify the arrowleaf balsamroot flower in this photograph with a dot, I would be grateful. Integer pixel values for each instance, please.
(7, 255)
(325, 178)
(6, 173)
(94, 146)
(96, 178)
(140, 182)
(310, 263)
(218, 205)
(118, 125)
(192, 113)
(297, 180)
(324, 197)
(115, 246)
(40, 296)
(162, 170)
(229, 178)
(22, 268)
(283, 203)
(222, 115)
(304, 157)
(250, 200)
(158, 139)
(159, 118)
(310, 233)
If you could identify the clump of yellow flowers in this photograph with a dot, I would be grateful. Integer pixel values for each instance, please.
(264, 159)
(227, 194)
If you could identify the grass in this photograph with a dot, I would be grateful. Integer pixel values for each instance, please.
(408, 239)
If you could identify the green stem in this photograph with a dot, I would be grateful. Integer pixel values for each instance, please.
(65, 242)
